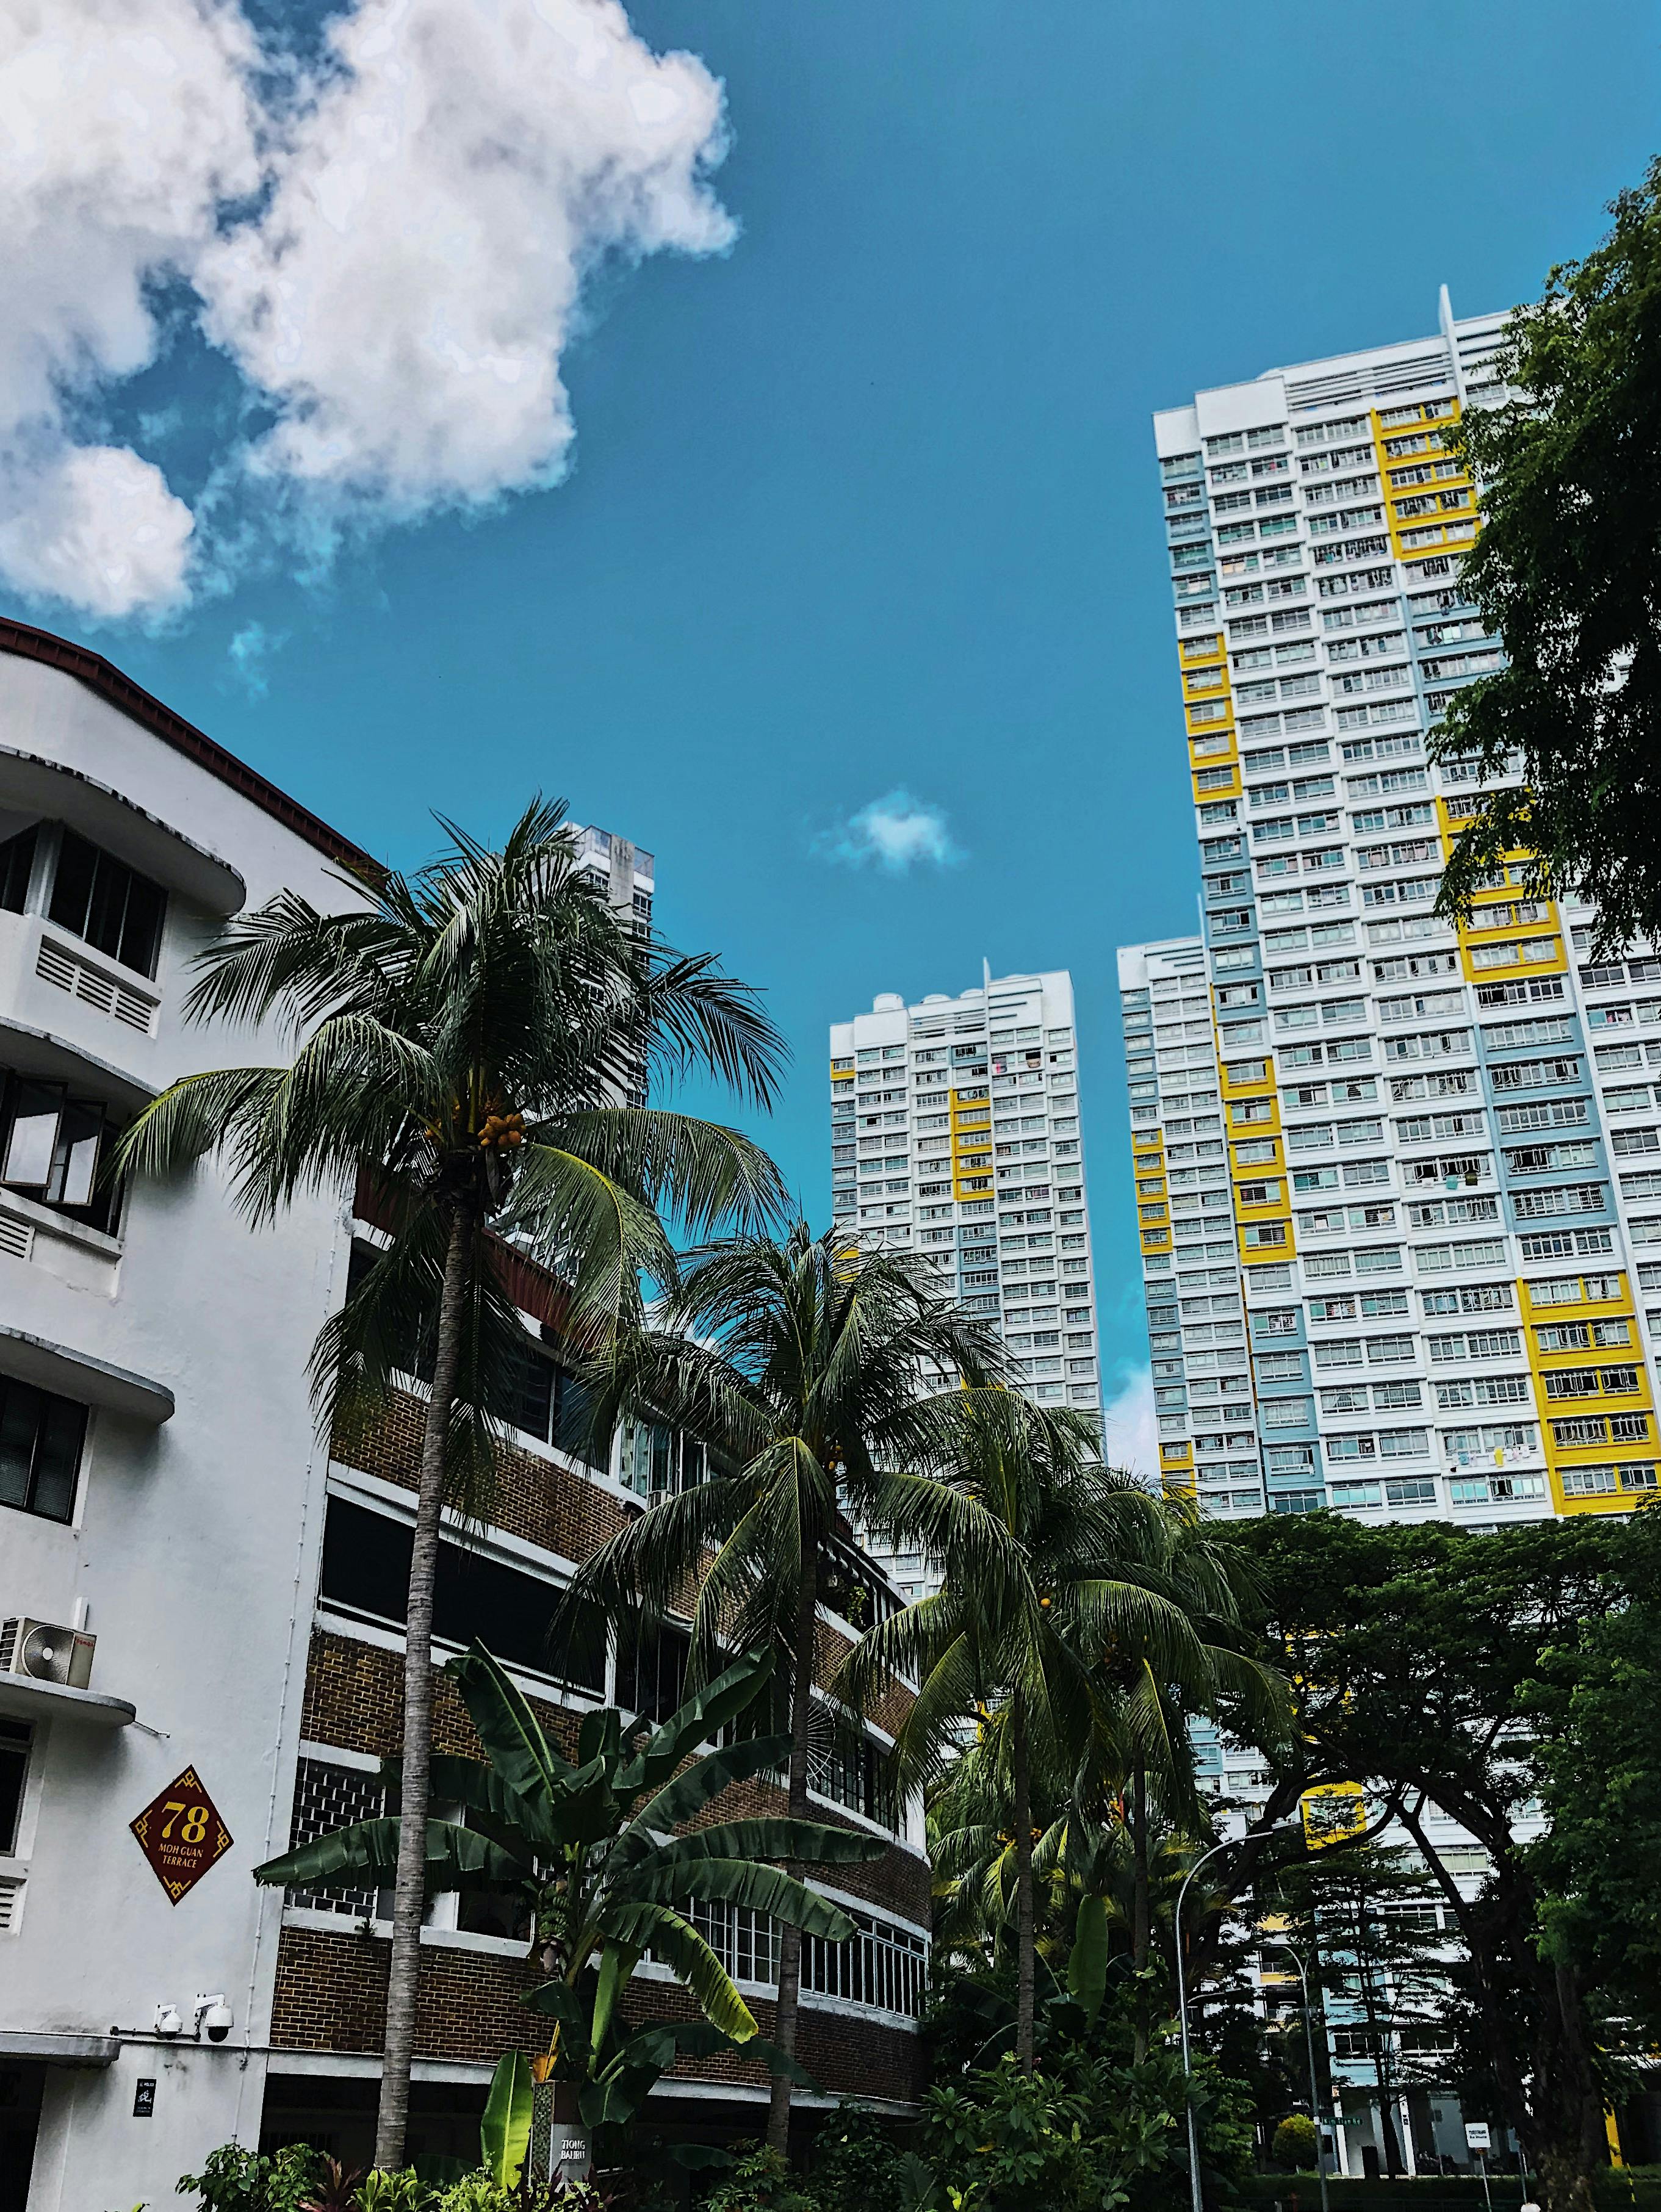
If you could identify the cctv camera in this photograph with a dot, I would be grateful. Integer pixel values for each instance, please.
(168, 2020)
(213, 2015)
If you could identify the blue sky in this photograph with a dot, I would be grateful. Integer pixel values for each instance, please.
(865, 502)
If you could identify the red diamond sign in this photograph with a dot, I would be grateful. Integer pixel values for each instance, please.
(181, 1834)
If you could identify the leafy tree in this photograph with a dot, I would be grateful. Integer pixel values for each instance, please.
(805, 1369)
(1565, 571)
(468, 1034)
(1364, 1915)
(1592, 1708)
(1417, 1652)
(1296, 2144)
(590, 1848)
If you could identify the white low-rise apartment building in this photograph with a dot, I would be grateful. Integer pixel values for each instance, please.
(202, 1595)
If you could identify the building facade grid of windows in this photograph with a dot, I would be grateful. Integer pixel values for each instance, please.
(1398, 1185)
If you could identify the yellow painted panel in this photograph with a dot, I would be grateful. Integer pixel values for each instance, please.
(1332, 1813)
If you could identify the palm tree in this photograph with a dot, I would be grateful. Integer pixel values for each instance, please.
(465, 1038)
(1045, 1555)
(1159, 1692)
(805, 1368)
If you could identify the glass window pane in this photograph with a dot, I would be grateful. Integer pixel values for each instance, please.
(16, 865)
(33, 1135)
(20, 1420)
(13, 1773)
(71, 888)
(57, 1458)
(140, 929)
(74, 1162)
(107, 907)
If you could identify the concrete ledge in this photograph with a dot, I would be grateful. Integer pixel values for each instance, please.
(59, 2050)
(43, 1701)
(82, 1375)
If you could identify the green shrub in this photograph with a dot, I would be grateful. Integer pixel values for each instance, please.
(1296, 2144)
(234, 2179)
(855, 2167)
(760, 2182)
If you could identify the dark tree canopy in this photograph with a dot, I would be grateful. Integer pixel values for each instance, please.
(1568, 571)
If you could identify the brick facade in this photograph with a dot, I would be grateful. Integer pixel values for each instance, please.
(332, 1995)
(330, 1985)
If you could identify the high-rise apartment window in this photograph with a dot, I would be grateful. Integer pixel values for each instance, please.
(41, 1437)
(111, 906)
(53, 1147)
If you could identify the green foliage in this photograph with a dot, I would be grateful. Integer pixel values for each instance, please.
(505, 2129)
(234, 2179)
(761, 2181)
(1441, 1669)
(1297, 2144)
(1592, 1707)
(856, 2166)
(401, 2190)
(1564, 571)
(1095, 2129)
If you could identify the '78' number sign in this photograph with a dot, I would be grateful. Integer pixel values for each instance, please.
(181, 1834)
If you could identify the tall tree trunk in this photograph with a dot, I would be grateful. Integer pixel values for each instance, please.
(409, 1894)
(801, 1731)
(1024, 1945)
(1141, 1911)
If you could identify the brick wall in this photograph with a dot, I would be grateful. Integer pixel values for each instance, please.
(355, 1698)
(539, 1499)
(332, 1995)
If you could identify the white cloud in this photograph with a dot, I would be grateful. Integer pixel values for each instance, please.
(248, 652)
(1130, 1431)
(126, 124)
(397, 298)
(897, 832)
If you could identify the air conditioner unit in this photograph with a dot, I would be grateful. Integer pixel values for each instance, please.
(47, 1651)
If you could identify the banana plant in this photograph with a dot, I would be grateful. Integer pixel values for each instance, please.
(594, 1849)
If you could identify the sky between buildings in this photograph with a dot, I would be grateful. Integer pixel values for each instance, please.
(852, 606)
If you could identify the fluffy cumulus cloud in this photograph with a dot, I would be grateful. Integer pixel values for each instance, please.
(126, 125)
(896, 833)
(390, 248)
(1130, 1433)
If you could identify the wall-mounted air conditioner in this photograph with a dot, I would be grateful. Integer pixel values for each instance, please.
(47, 1651)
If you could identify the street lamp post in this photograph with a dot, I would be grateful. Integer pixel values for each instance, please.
(1227, 1844)
(1309, 2043)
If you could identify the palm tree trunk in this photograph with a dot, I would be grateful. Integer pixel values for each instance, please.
(1023, 1943)
(1140, 1912)
(409, 1894)
(801, 1729)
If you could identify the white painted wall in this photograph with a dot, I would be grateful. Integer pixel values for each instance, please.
(190, 1541)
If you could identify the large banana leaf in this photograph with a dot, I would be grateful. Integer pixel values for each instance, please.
(505, 2131)
(689, 1793)
(816, 1842)
(455, 1858)
(1086, 1970)
(600, 1736)
(511, 1735)
(762, 1889)
(514, 1822)
(558, 2001)
(617, 1962)
(699, 1718)
(648, 1925)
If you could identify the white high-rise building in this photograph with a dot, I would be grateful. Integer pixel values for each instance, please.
(954, 1133)
(1396, 1181)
